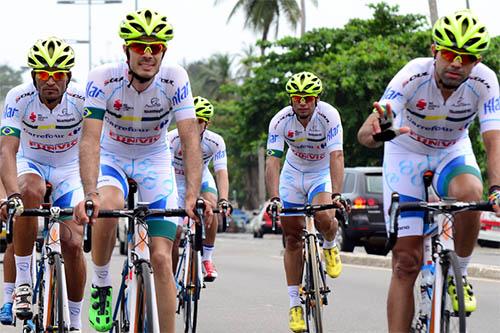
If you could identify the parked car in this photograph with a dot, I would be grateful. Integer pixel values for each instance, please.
(366, 226)
(489, 235)
(261, 223)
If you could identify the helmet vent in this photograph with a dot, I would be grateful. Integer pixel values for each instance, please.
(148, 15)
(40, 59)
(159, 27)
(137, 26)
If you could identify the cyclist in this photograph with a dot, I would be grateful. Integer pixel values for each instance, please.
(434, 101)
(213, 148)
(41, 124)
(314, 168)
(9, 277)
(130, 105)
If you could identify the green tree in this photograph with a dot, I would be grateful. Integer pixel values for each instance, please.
(208, 76)
(260, 15)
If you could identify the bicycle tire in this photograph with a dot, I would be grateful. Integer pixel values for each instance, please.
(315, 302)
(192, 293)
(55, 302)
(145, 317)
(452, 321)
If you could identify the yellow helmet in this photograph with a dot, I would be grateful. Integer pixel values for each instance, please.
(146, 23)
(51, 53)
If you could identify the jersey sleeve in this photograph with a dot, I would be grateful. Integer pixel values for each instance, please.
(95, 96)
(275, 139)
(220, 157)
(489, 103)
(182, 98)
(11, 117)
(334, 136)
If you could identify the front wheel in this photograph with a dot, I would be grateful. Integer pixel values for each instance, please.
(191, 293)
(146, 305)
(313, 287)
(451, 320)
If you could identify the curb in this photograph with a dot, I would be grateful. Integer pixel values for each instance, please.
(474, 270)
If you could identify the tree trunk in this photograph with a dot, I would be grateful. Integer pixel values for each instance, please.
(433, 11)
(302, 17)
(251, 184)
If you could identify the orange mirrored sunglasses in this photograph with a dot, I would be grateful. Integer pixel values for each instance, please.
(461, 57)
(44, 75)
(302, 98)
(141, 47)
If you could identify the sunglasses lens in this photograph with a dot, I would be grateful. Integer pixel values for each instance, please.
(303, 99)
(464, 59)
(42, 75)
(59, 76)
(141, 48)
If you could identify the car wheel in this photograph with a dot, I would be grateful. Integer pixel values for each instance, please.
(486, 243)
(257, 234)
(123, 248)
(344, 243)
(378, 250)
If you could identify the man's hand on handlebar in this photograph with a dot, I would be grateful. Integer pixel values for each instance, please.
(274, 206)
(494, 198)
(13, 205)
(82, 209)
(341, 202)
(225, 206)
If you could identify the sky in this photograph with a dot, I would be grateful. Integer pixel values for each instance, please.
(200, 27)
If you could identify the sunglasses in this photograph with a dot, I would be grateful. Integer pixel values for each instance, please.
(302, 99)
(56, 75)
(461, 57)
(141, 47)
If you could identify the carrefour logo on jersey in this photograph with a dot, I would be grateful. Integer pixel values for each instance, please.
(93, 91)
(181, 94)
(492, 105)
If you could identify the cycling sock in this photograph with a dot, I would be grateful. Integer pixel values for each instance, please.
(8, 290)
(207, 252)
(463, 262)
(101, 277)
(23, 270)
(293, 293)
(329, 244)
(75, 310)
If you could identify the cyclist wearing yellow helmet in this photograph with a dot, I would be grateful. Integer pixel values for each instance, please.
(423, 117)
(313, 170)
(132, 104)
(44, 119)
(213, 148)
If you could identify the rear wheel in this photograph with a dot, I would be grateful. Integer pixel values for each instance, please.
(451, 320)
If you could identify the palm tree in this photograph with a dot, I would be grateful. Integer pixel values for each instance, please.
(303, 15)
(262, 14)
(207, 76)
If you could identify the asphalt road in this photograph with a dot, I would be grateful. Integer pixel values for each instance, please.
(250, 294)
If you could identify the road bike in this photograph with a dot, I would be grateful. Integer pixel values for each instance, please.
(49, 291)
(433, 307)
(314, 290)
(189, 275)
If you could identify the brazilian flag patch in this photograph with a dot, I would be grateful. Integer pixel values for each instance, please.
(10, 131)
(275, 153)
(93, 113)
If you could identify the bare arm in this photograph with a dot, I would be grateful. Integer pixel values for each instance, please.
(9, 146)
(190, 145)
(90, 154)
(492, 146)
(273, 166)
(222, 179)
(337, 170)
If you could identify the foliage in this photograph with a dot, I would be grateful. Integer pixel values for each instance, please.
(9, 78)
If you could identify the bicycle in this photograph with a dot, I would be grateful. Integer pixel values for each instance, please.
(136, 304)
(433, 308)
(50, 291)
(189, 269)
(314, 291)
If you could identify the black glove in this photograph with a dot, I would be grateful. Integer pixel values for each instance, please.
(388, 131)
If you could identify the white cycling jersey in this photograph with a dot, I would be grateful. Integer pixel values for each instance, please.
(310, 147)
(135, 123)
(46, 136)
(213, 148)
(437, 124)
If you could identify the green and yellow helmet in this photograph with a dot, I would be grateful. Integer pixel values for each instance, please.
(146, 23)
(203, 108)
(304, 83)
(52, 52)
(461, 30)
